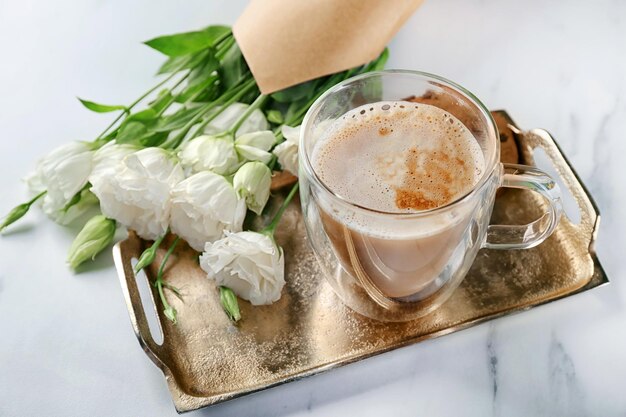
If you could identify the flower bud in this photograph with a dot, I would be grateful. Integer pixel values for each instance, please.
(170, 312)
(229, 303)
(147, 257)
(91, 240)
(252, 182)
(14, 215)
(19, 211)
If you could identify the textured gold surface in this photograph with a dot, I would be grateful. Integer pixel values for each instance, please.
(206, 359)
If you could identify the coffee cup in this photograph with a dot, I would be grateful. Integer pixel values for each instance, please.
(397, 194)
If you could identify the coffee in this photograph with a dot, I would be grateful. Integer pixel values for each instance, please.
(398, 158)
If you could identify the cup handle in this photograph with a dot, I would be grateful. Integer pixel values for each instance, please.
(532, 234)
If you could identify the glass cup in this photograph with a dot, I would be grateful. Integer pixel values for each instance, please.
(404, 265)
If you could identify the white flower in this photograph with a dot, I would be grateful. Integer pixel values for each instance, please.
(224, 156)
(107, 159)
(249, 263)
(225, 120)
(287, 151)
(63, 173)
(203, 207)
(254, 146)
(252, 182)
(211, 153)
(137, 194)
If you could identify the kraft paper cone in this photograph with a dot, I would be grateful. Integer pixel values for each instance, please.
(286, 42)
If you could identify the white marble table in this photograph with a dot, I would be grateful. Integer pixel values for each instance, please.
(66, 346)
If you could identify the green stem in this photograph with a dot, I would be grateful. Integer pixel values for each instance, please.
(225, 36)
(37, 197)
(270, 228)
(272, 163)
(223, 49)
(166, 305)
(173, 98)
(178, 139)
(260, 100)
(245, 88)
(134, 103)
(297, 118)
(126, 112)
(165, 258)
(170, 311)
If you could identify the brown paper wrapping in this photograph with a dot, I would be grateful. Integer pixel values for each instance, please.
(286, 42)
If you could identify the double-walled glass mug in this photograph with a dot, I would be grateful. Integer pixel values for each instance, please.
(400, 266)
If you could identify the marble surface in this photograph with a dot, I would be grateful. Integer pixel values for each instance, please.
(67, 348)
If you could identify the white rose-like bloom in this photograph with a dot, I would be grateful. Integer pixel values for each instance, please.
(255, 146)
(210, 153)
(252, 182)
(287, 151)
(224, 156)
(137, 193)
(62, 173)
(226, 119)
(203, 207)
(248, 263)
(107, 159)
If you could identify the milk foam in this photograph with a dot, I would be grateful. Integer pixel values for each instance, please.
(398, 157)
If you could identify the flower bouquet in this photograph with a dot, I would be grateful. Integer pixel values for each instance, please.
(194, 156)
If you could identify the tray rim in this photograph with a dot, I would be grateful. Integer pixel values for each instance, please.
(184, 402)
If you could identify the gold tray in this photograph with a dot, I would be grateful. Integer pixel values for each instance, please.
(207, 360)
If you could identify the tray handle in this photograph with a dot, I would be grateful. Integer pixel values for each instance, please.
(123, 252)
(589, 214)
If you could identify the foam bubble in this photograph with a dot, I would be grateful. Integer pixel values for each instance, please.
(398, 157)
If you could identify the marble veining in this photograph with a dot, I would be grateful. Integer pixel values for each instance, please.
(492, 362)
(565, 396)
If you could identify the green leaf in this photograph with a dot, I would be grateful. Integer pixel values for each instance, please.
(295, 107)
(189, 42)
(146, 115)
(152, 138)
(174, 64)
(379, 63)
(162, 101)
(233, 67)
(296, 92)
(193, 90)
(200, 74)
(131, 133)
(178, 63)
(135, 126)
(275, 116)
(177, 120)
(101, 108)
